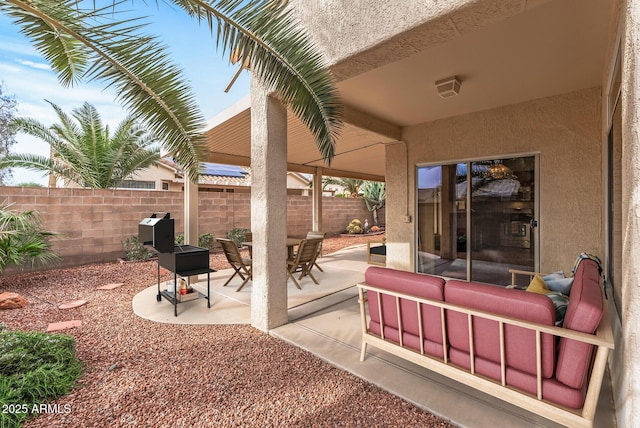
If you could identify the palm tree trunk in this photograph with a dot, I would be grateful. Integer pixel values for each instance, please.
(52, 178)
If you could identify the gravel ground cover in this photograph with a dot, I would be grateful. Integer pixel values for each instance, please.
(140, 373)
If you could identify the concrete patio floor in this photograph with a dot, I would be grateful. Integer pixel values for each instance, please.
(325, 320)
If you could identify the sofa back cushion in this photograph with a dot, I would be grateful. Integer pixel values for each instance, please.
(520, 343)
(586, 306)
(415, 284)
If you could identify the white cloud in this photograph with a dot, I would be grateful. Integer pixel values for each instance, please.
(37, 65)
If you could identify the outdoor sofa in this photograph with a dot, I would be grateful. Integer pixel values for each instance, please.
(499, 340)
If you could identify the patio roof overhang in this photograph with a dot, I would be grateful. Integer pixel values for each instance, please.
(361, 143)
(544, 49)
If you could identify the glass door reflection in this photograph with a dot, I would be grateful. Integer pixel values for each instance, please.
(442, 226)
(502, 220)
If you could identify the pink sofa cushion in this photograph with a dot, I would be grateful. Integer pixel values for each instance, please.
(415, 284)
(584, 313)
(520, 343)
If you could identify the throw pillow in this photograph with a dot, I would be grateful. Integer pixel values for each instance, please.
(561, 285)
(537, 285)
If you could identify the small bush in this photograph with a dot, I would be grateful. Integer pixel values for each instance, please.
(237, 234)
(205, 240)
(179, 239)
(34, 368)
(136, 251)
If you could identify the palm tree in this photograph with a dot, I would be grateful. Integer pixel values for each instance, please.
(350, 185)
(22, 239)
(87, 43)
(84, 151)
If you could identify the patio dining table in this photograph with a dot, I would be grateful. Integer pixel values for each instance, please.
(291, 244)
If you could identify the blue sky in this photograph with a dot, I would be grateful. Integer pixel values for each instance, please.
(25, 74)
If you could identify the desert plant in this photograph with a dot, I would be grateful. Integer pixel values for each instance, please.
(23, 239)
(34, 367)
(135, 250)
(375, 196)
(355, 226)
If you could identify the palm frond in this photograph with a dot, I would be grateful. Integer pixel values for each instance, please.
(281, 55)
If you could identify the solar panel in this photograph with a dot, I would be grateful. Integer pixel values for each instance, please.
(223, 170)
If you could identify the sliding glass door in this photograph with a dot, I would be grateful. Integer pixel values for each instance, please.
(476, 220)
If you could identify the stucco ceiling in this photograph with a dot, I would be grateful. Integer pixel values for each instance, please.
(557, 47)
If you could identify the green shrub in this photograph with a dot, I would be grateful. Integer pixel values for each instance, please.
(136, 251)
(34, 368)
(237, 234)
(179, 239)
(206, 240)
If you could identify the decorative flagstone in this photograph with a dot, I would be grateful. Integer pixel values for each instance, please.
(111, 286)
(63, 325)
(72, 304)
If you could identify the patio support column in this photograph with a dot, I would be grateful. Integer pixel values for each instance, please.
(268, 209)
(190, 212)
(627, 409)
(318, 226)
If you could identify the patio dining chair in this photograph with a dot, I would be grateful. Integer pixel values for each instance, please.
(241, 265)
(248, 237)
(317, 235)
(303, 260)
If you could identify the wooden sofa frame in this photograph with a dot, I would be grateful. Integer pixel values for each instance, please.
(602, 339)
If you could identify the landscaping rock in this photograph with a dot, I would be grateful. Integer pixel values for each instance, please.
(9, 300)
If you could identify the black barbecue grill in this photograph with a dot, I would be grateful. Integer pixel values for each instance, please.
(158, 232)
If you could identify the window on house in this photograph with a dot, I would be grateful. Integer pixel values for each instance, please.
(476, 220)
(137, 184)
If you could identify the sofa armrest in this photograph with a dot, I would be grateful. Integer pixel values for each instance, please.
(515, 272)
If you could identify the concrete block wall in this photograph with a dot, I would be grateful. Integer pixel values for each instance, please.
(92, 224)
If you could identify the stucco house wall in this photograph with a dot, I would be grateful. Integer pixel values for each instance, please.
(564, 130)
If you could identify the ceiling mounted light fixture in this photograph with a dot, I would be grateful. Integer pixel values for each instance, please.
(448, 87)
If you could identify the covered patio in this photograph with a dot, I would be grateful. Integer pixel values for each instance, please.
(325, 320)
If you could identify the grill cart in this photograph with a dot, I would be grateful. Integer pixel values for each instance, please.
(185, 261)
